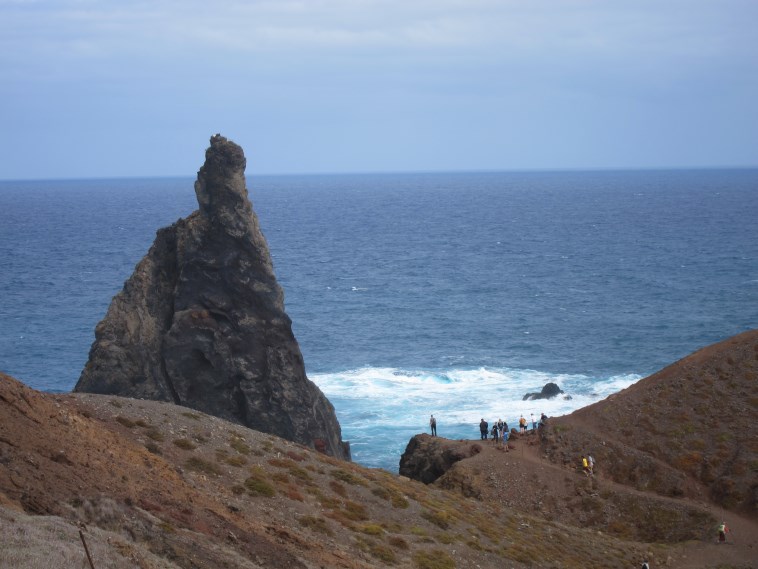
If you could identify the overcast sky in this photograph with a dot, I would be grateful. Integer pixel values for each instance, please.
(135, 88)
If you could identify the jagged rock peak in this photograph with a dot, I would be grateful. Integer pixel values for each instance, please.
(201, 321)
(220, 182)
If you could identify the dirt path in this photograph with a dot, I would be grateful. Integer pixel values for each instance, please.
(741, 549)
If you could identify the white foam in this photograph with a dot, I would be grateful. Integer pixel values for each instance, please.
(371, 397)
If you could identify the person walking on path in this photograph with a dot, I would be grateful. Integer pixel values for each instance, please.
(483, 426)
(433, 426)
(591, 464)
(585, 466)
(723, 530)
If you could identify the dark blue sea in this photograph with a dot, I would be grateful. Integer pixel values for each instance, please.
(411, 294)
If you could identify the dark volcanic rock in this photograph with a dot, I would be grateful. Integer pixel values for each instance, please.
(426, 458)
(549, 391)
(201, 322)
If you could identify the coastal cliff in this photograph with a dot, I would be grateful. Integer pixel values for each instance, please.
(201, 321)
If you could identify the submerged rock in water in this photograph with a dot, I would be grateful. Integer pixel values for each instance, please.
(201, 321)
(549, 391)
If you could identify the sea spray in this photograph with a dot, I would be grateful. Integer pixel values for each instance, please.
(380, 409)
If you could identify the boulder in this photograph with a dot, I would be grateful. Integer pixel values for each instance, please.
(201, 321)
(549, 391)
(427, 458)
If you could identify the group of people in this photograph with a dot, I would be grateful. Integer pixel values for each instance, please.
(500, 431)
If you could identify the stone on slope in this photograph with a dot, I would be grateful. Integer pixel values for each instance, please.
(201, 321)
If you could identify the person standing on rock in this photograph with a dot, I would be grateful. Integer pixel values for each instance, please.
(433, 426)
(522, 425)
(534, 423)
(495, 434)
(483, 426)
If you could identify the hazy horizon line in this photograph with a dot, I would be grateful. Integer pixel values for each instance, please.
(396, 172)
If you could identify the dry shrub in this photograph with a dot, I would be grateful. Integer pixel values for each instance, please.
(372, 529)
(356, 511)
(383, 553)
(293, 493)
(397, 542)
(282, 462)
(379, 492)
(316, 524)
(338, 488)
(281, 477)
(299, 473)
(296, 456)
(325, 501)
(198, 464)
(185, 444)
(155, 434)
(434, 559)
(348, 477)
(259, 487)
(237, 461)
(128, 423)
(440, 518)
(239, 444)
(689, 462)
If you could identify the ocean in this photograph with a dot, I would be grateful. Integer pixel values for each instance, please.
(451, 294)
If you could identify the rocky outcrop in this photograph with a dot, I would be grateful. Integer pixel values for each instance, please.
(427, 458)
(201, 321)
(549, 390)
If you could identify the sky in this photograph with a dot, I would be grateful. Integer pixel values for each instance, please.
(125, 88)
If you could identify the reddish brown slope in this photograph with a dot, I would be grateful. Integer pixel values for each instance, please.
(690, 429)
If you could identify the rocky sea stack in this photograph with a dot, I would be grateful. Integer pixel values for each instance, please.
(201, 321)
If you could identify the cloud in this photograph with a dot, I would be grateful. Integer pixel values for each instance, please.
(367, 68)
